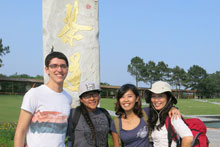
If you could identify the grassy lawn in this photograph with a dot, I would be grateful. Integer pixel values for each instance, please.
(10, 108)
(186, 106)
(192, 107)
(214, 100)
(108, 103)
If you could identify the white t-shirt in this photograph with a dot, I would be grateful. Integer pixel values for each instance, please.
(50, 111)
(160, 137)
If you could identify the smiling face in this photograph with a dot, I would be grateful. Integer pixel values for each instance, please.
(159, 101)
(57, 71)
(90, 100)
(128, 100)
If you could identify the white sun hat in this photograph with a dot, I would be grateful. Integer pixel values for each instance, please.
(158, 88)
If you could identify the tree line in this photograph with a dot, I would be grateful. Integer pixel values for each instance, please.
(17, 87)
(195, 78)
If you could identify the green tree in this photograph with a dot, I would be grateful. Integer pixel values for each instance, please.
(39, 77)
(162, 71)
(25, 76)
(3, 51)
(210, 86)
(3, 76)
(152, 72)
(104, 83)
(194, 76)
(148, 73)
(145, 74)
(135, 68)
(215, 80)
(178, 76)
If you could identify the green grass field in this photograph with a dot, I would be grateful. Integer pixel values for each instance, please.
(10, 108)
(192, 107)
(214, 100)
(186, 106)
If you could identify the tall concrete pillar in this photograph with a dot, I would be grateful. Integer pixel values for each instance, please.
(71, 27)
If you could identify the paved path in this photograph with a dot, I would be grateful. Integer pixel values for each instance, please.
(205, 101)
(214, 137)
(205, 118)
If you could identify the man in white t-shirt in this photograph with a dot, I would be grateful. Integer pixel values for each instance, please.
(45, 109)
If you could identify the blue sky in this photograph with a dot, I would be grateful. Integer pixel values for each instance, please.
(183, 33)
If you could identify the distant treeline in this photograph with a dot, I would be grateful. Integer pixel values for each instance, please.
(195, 78)
(17, 87)
(23, 76)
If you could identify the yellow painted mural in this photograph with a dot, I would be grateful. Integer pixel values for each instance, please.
(72, 82)
(69, 32)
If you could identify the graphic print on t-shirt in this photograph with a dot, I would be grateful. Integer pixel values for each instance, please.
(101, 129)
(142, 133)
(48, 122)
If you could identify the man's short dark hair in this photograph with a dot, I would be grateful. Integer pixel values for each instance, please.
(58, 55)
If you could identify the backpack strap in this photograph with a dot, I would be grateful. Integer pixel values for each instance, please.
(107, 115)
(116, 121)
(75, 118)
(145, 117)
(117, 127)
(171, 132)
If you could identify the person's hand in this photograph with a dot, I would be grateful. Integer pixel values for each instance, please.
(174, 113)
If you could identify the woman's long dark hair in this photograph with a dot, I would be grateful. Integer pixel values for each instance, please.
(122, 90)
(162, 115)
(89, 122)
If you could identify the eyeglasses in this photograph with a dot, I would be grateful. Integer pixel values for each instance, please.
(56, 66)
(87, 96)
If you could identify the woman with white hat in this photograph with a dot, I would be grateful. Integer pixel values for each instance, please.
(161, 101)
(131, 128)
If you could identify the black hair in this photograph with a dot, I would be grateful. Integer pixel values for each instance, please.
(89, 122)
(162, 115)
(58, 55)
(122, 90)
